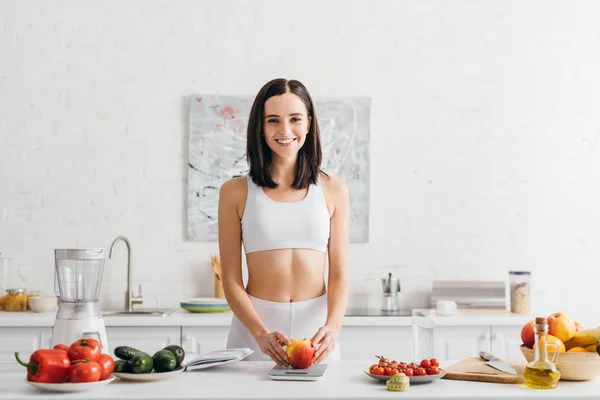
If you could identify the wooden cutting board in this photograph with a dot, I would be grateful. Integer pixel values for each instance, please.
(476, 369)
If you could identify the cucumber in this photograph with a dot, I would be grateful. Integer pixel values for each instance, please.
(122, 366)
(178, 352)
(164, 361)
(141, 363)
(125, 352)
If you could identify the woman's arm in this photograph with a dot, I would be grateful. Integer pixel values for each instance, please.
(337, 290)
(230, 249)
(337, 287)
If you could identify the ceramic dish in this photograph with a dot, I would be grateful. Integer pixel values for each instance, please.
(413, 379)
(151, 377)
(205, 308)
(207, 301)
(71, 387)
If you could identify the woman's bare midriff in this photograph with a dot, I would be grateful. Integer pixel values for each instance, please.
(286, 275)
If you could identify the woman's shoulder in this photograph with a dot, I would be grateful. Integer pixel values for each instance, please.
(331, 182)
(333, 185)
(235, 186)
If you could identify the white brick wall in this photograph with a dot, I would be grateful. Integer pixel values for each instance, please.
(485, 132)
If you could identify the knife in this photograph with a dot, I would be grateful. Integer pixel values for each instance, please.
(495, 362)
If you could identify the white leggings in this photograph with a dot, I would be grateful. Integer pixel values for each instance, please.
(296, 320)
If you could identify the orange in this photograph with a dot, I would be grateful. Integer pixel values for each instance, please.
(552, 348)
(577, 350)
(591, 348)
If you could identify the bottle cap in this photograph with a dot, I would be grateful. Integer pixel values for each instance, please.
(540, 320)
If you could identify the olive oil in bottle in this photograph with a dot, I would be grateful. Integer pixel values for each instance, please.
(541, 373)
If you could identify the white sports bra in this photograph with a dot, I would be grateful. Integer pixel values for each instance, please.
(269, 224)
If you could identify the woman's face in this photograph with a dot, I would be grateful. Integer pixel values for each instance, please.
(286, 124)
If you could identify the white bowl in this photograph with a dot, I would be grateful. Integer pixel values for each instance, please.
(43, 304)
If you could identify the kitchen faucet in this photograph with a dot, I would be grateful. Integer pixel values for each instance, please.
(130, 297)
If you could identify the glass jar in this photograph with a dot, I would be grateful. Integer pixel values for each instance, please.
(5, 274)
(15, 300)
(520, 291)
(30, 294)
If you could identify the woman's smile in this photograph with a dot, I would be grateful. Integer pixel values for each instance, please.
(285, 142)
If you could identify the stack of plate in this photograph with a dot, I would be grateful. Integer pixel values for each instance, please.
(205, 305)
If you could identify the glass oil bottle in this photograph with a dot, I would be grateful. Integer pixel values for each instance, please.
(541, 373)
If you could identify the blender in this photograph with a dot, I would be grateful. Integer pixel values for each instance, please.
(79, 276)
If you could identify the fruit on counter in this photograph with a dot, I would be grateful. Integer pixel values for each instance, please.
(125, 352)
(85, 371)
(580, 340)
(590, 333)
(122, 366)
(137, 361)
(586, 338)
(164, 361)
(63, 347)
(107, 366)
(85, 349)
(178, 352)
(391, 368)
(69, 363)
(141, 363)
(577, 350)
(591, 348)
(561, 325)
(300, 353)
(47, 366)
(551, 348)
(528, 334)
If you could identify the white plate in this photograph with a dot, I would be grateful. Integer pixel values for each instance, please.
(207, 301)
(71, 387)
(151, 377)
(413, 379)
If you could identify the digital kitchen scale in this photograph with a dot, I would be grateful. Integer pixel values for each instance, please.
(312, 373)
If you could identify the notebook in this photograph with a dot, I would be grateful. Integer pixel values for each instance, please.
(217, 357)
(312, 373)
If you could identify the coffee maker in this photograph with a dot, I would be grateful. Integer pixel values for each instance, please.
(79, 276)
(391, 288)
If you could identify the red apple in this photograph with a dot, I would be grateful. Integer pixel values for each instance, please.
(300, 353)
(528, 335)
(561, 325)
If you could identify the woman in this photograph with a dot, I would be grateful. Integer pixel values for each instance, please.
(291, 218)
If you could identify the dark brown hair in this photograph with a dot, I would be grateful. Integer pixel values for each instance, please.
(258, 153)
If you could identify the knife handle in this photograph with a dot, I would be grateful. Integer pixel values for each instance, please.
(487, 356)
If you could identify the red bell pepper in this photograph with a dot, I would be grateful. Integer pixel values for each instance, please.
(47, 366)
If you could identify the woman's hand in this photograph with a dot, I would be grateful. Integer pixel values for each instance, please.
(272, 345)
(325, 341)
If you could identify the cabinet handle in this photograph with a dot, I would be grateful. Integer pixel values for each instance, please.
(485, 336)
(187, 338)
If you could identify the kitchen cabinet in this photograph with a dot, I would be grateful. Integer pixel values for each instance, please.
(360, 343)
(203, 339)
(459, 342)
(146, 338)
(22, 340)
(506, 341)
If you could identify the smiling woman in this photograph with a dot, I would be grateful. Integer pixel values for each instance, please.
(291, 219)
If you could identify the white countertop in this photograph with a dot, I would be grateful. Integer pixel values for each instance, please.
(249, 380)
(180, 317)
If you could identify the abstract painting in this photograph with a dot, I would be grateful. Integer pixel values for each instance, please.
(217, 152)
